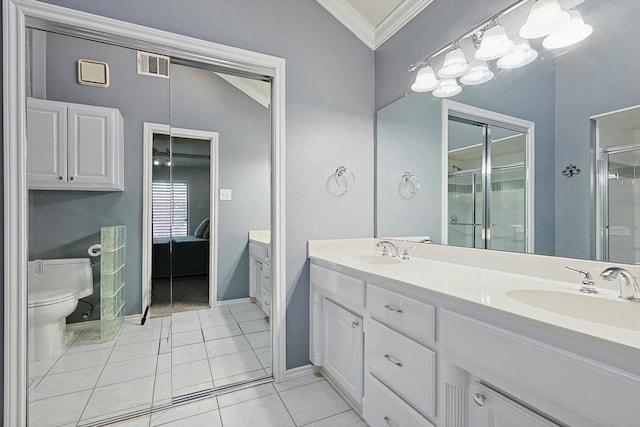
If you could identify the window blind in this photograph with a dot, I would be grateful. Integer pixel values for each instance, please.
(170, 219)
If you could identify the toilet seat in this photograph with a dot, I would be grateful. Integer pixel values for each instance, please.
(45, 298)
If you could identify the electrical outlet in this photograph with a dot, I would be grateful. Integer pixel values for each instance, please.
(225, 194)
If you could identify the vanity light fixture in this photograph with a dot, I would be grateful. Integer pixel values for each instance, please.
(478, 74)
(447, 88)
(521, 55)
(545, 17)
(573, 32)
(426, 80)
(495, 43)
(455, 63)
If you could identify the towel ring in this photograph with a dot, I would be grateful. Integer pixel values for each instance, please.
(340, 172)
(410, 182)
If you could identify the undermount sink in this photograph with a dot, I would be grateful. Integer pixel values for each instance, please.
(618, 313)
(373, 259)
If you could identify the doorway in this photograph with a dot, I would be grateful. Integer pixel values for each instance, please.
(180, 214)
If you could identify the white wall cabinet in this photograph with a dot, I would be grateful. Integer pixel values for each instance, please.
(74, 147)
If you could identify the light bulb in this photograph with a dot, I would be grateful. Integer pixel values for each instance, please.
(455, 64)
(495, 43)
(575, 31)
(521, 55)
(478, 74)
(156, 162)
(425, 80)
(447, 88)
(545, 17)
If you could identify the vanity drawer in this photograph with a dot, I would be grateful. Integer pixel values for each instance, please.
(342, 288)
(382, 408)
(403, 365)
(412, 318)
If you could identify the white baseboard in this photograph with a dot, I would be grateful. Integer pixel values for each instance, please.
(300, 371)
(234, 301)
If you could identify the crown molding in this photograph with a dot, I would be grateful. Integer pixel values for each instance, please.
(350, 18)
(374, 37)
(404, 13)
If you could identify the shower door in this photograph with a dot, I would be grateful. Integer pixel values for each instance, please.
(621, 205)
(486, 185)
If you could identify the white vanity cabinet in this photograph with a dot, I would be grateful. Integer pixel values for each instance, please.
(343, 347)
(399, 360)
(492, 409)
(260, 276)
(337, 334)
(74, 146)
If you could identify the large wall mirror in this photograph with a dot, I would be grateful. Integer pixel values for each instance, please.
(558, 180)
(151, 193)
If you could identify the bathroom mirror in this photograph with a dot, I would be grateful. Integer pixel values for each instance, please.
(565, 93)
(180, 156)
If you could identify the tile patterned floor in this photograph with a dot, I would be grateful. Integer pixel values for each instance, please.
(304, 401)
(148, 364)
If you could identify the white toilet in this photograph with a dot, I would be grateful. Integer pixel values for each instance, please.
(54, 288)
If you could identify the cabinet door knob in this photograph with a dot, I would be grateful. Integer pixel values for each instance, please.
(70, 178)
(388, 421)
(478, 398)
(393, 360)
(355, 324)
(59, 178)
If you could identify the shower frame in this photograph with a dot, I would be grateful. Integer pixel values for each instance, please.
(478, 115)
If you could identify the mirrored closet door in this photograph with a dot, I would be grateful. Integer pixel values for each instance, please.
(220, 176)
(149, 229)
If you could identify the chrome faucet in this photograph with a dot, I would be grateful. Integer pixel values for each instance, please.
(385, 244)
(588, 284)
(629, 288)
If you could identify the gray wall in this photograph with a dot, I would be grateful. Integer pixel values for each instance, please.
(329, 116)
(409, 139)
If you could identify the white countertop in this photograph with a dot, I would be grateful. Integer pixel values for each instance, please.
(477, 285)
(260, 236)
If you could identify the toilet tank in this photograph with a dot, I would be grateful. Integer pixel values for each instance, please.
(65, 275)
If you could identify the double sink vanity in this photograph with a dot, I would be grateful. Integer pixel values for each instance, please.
(491, 339)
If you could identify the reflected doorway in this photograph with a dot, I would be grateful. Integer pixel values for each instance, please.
(180, 220)
(618, 160)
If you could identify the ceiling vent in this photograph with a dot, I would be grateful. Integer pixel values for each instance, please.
(150, 64)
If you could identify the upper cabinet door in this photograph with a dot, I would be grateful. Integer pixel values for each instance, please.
(74, 147)
(93, 147)
(47, 142)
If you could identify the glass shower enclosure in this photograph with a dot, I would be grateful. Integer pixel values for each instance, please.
(486, 186)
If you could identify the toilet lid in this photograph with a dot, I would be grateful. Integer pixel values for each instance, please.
(48, 297)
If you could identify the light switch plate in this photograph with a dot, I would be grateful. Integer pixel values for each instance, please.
(225, 194)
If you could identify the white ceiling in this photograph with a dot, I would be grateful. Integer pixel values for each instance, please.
(374, 21)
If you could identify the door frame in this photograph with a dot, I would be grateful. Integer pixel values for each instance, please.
(16, 15)
(149, 130)
(492, 118)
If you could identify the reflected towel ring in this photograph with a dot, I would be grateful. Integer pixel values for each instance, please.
(340, 172)
(410, 182)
